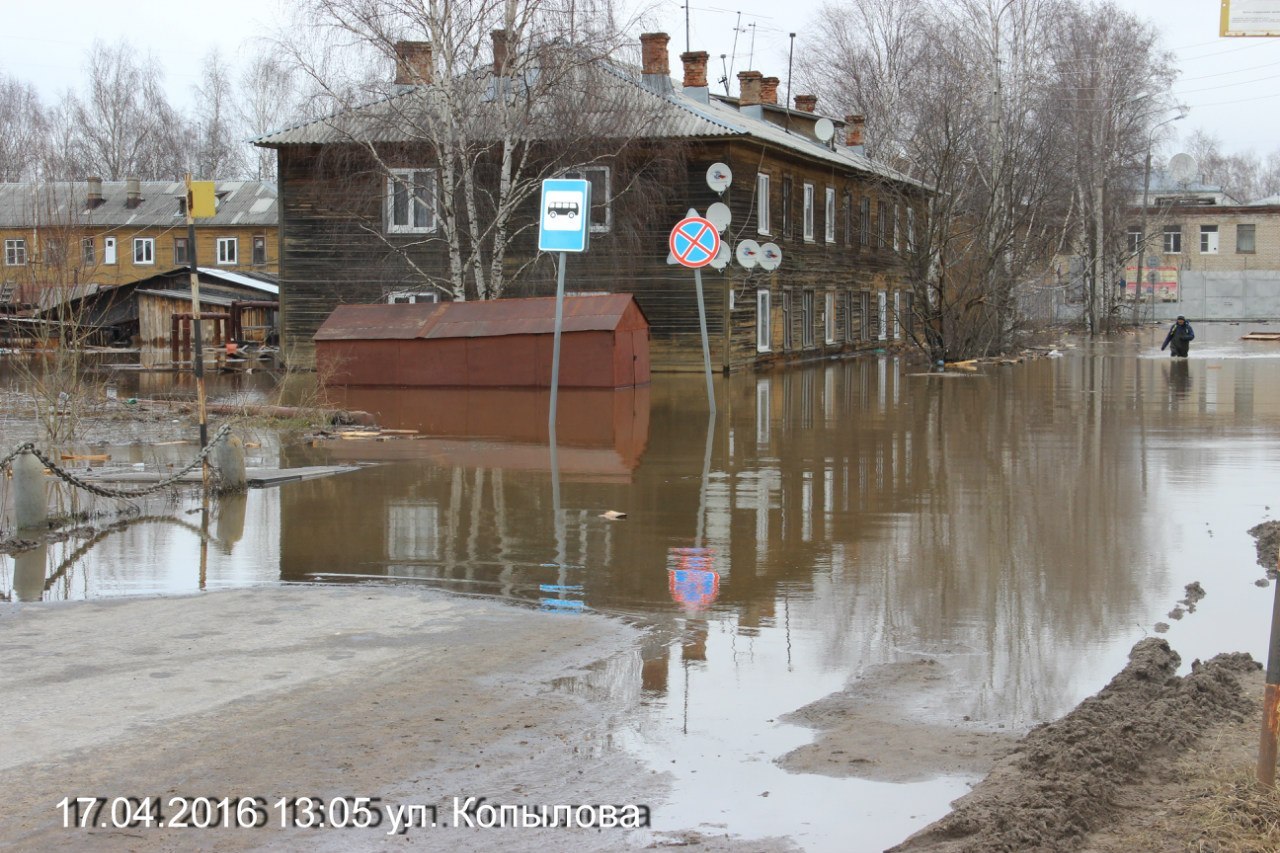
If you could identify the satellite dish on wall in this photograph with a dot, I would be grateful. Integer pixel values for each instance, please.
(719, 176)
(721, 260)
(719, 215)
(1182, 168)
(748, 253)
(824, 129)
(770, 256)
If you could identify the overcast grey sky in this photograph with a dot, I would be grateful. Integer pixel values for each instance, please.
(1232, 85)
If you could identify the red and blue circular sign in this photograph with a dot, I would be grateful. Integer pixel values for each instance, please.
(694, 242)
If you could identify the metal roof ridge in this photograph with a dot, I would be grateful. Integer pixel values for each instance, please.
(257, 140)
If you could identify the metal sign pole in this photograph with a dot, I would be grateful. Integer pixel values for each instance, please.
(706, 347)
(555, 349)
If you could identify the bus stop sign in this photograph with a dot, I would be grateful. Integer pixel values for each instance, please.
(564, 215)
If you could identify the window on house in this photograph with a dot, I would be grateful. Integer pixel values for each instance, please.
(55, 251)
(144, 251)
(762, 203)
(850, 328)
(15, 253)
(809, 309)
(911, 229)
(864, 221)
(181, 257)
(897, 246)
(411, 297)
(848, 219)
(88, 253)
(829, 223)
(788, 336)
(1173, 239)
(882, 223)
(1133, 240)
(411, 201)
(108, 250)
(601, 202)
(882, 314)
(228, 250)
(809, 214)
(1208, 239)
(897, 315)
(866, 315)
(1246, 239)
(829, 318)
(259, 250)
(764, 334)
(787, 230)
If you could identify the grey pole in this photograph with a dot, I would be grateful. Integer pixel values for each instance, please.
(555, 350)
(706, 347)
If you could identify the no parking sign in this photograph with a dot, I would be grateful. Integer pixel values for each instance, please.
(694, 242)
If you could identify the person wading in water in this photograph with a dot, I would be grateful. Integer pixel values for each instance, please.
(1180, 336)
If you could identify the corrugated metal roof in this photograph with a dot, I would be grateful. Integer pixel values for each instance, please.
(251, 282)
(493, 318)
(65, 204)
(377, 322)
(622, 103)
(536, 316)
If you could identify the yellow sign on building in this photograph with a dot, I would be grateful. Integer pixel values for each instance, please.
(201, 200)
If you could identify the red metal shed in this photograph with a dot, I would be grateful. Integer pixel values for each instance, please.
(491, 344)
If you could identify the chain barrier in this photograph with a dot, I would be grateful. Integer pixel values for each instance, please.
(125, 494)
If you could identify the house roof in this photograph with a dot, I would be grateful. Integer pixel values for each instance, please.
(624, 103)
(65, 204)
(492, 318)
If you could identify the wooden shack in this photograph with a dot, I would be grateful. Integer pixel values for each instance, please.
(503, 343)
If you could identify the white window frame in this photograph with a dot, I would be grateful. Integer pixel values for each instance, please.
(144, 251)
(228, 251)
(109, 250)
(809, 202)
(762, 204)
(897, 216)
(911, 229)
(764, 324)
(1133, 239)
(1251, 229)
(580, 174)
(830, 224)
(259, 241)
(1208, 239)
(1173, 240)
(186, 252)
(411, 297)
(829, 318)
(88, 251)
(882, 303)
(406, 178)
(15, 252)
(897, 315)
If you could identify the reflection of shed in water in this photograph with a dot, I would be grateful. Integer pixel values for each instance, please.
(498, 343)
(600, 433)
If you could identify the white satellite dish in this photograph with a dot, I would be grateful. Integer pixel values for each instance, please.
(719, 176)
(1182, 168)
(824, 129)
(748, 253)
(721, 260)
(770, 256)
(719, 215)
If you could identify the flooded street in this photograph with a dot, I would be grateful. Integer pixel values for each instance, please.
(1020, 526)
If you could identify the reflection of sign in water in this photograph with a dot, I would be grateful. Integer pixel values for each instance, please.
(562, 602)
(690, 577)
(1158, 282)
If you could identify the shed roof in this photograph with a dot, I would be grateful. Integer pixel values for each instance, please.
(492, 318)
(65, 204)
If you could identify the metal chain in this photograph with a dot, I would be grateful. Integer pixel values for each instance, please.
(71, 479)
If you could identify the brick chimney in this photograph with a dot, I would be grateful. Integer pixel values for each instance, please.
(769, 90)
(695, 74)
(94, 196)
(132, 193)
(501, 52)
(656, 67)
(806, 103)
(854, 125)
(413, 63)
(749, 88)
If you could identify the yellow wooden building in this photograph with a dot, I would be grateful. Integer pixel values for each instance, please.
(62, 238)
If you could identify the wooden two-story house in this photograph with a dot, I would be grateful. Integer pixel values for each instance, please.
(359, 194)
(64, 239)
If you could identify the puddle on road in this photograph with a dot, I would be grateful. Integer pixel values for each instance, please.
(1022, 527)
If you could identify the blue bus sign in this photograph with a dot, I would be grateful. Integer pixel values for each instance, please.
(564, 215)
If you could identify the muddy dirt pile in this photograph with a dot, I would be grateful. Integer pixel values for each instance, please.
(1268, 535)
(1063, 779)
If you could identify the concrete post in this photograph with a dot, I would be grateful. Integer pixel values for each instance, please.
(228, 457)
(30, 505)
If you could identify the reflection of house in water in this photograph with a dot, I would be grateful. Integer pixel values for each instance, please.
(466, 503)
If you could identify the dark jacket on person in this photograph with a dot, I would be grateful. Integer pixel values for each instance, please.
(1182, 333)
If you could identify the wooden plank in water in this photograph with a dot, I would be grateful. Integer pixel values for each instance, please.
(256, 477)
(1261, 336)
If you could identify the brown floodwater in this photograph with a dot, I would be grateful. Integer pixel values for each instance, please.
(1022, 524)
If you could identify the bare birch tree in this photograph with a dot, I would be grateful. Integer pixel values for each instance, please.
(23, 126)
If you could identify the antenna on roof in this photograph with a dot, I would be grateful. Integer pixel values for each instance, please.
(751, 55)
(790, 53)
(686, 27)
(737, 28)
(725, 78)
